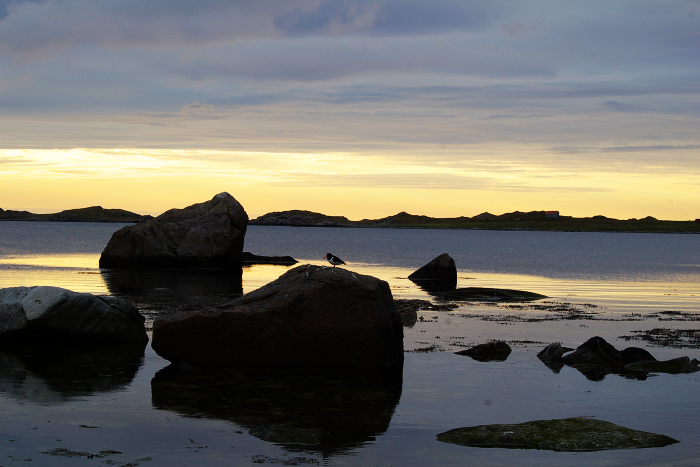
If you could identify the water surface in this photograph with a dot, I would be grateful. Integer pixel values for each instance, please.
(62, 408)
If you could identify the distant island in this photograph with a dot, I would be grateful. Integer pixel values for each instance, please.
(91, 214)
(534, 220)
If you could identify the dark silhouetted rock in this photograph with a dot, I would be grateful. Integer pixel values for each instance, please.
(552, 354)
(250, 258)
(497, 351)
(440, 273)
(43, 314)
(204, 235)
(597, 358)
(568, 434)
(597, 351)
(310, 316)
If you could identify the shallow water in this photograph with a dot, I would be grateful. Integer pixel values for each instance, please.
(133, 412)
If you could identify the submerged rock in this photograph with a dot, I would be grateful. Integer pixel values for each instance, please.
(673, 366)
(46, 314)
(439, 274)
(490, 294)
(568, 434)
(497, 351)
(310, 316)
(204, 235)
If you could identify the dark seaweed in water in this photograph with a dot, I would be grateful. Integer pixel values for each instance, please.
(660, 337)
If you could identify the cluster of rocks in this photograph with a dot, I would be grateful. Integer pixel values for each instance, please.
(597, 358)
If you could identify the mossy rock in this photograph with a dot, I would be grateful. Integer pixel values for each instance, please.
(568, 434)
(489, 294)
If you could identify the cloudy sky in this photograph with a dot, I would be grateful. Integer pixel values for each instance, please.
(361, 108)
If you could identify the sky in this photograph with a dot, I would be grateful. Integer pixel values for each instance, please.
(358, 108)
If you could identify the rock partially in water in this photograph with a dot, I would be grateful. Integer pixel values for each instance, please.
(439, 274)
(490, 294)
(569, 434)
(497, 351)
(552, 354)
(43, 315)
(204, 235)
(310, 316)
(597, 358)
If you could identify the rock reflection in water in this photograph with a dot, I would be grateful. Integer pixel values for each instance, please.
(326, 411)
(62, 373)
(174, 288)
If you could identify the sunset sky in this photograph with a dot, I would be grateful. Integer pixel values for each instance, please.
(358, 108)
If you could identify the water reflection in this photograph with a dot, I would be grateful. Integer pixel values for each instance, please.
(326, 411)
(62, 373)
(178, 288)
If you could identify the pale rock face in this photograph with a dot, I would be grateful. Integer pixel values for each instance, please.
(40, 299)
(38, 314)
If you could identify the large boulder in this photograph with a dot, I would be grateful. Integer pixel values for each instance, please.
(204, 235)
(46, 314)
(309, 316)
(439, 274)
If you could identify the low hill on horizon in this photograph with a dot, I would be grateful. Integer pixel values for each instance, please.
(533, 220)
(90, 214)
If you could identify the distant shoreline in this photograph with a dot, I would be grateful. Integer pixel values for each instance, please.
(514, 221)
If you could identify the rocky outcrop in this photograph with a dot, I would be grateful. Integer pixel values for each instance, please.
(574, 434)
(310, 316)
(299, 218)
(497, 351)
(46, 314)
(204, 235)
(440, 273)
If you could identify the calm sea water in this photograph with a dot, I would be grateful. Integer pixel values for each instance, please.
(59, 409)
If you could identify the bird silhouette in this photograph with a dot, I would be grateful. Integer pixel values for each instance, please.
(334, 260)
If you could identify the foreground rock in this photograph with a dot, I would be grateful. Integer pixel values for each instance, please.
(310, 316)
(439, 274)
(596, 358)
(204, 235)
(568, 434)
(42, 314)
(497, 351)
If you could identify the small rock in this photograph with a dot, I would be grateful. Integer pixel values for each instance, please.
(569, 434)
(497, 351)
(440, 273)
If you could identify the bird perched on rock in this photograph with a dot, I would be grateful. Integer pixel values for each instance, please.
(334, 260)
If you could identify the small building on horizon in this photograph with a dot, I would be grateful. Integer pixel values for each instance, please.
(552, 214)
